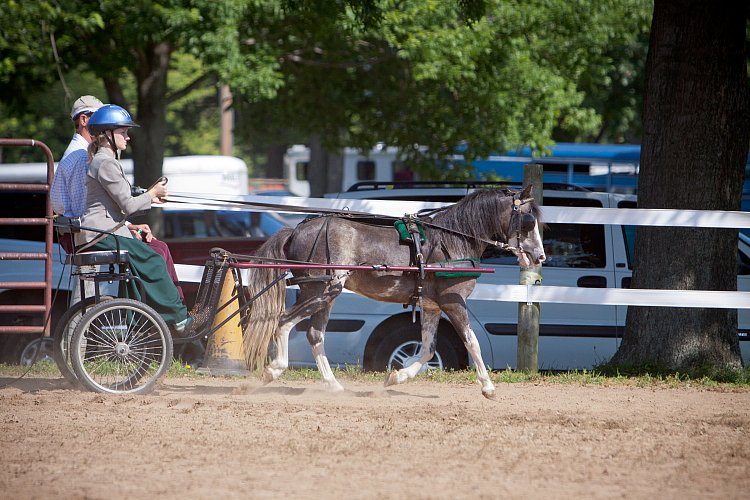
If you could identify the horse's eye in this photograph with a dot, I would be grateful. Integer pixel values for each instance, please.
(527, 222)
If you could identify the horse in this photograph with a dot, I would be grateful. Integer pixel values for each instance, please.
(509, 219)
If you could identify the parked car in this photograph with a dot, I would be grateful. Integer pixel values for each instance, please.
(378, 335)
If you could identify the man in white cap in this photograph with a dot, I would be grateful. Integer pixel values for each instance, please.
(82, 110)
(68, 190)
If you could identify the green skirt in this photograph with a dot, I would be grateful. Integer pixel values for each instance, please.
(158, 289)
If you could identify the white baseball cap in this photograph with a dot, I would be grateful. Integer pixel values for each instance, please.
(85, 104)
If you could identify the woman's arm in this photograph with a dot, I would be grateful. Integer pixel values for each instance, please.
(113, 181)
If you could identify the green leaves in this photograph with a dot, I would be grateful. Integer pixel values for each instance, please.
(492, 74)
(423, 75)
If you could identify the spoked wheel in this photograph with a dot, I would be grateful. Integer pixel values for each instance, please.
(63, 334)
(410, 351)
(121, 346)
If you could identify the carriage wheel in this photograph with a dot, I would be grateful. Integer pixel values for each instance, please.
(121, 346)
(63, 334)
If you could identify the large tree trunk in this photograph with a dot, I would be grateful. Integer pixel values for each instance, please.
(696, 135)
(275, 163)
(148, 148)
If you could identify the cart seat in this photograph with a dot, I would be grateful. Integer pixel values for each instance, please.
(99, 257)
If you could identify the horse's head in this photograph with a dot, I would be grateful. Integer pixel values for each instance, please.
(524, 239)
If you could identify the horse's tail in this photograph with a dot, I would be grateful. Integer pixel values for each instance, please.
(265, 311)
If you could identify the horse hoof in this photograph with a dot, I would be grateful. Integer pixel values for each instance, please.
(490, 395)
(334, 386)
(391, 378)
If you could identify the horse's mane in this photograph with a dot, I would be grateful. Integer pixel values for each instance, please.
(483, 214)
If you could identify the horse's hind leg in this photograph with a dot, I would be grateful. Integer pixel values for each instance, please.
(316, 337)
(280, 362)
(316, 301)
(307, 304)
(430, 319)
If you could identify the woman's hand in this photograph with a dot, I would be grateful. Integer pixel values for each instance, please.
(158, 193)
(141, 231)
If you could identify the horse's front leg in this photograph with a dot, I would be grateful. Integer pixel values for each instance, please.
(430, 318)
(460, 320)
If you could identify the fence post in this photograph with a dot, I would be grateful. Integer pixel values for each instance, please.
(527, 353)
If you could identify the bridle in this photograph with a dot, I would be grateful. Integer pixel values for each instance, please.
(519, 223)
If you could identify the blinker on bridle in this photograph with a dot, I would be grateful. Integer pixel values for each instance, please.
(521, 222)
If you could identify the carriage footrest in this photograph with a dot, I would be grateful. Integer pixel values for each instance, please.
(99, 258)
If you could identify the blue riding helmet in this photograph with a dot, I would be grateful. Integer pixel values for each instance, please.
(110, 117)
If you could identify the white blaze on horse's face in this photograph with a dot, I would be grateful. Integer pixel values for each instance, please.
(532, 249)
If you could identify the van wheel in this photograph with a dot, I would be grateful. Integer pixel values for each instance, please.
(402, 347)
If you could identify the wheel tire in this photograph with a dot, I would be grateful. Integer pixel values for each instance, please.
(121, 346)
(400, 348)
(63, 334)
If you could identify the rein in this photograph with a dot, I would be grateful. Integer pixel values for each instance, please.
(517, 202)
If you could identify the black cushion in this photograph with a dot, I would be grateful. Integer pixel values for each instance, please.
(99, 257)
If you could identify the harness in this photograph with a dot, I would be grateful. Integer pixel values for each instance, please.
(410, 229)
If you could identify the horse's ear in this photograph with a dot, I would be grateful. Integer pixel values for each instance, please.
(527, 192)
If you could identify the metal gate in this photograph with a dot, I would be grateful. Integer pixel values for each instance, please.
(46, 221)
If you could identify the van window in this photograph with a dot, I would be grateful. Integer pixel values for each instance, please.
(300, 170)
(366, 170)
(566, 245)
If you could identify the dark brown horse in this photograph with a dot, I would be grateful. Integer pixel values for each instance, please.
(461, 231)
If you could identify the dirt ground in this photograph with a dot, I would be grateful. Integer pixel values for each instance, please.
(232, 438)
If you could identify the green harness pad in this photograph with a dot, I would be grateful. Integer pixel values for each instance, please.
(403, 231)
(467, 263)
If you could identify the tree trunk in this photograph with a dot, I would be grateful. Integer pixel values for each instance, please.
(148, 149)
(275, 161)
(316, 175)
(695, 143)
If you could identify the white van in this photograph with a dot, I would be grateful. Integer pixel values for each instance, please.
(381, 163)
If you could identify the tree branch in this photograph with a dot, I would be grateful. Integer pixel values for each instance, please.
(191, 86)
(114, 92)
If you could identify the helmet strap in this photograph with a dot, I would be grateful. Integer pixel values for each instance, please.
(111, 141)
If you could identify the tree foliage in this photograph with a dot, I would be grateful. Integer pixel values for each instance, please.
(490, 74)
(425, 76)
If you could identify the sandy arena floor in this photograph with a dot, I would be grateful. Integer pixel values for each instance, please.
(230, 438)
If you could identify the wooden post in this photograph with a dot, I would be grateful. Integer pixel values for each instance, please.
(227, 119)
(527, 353)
